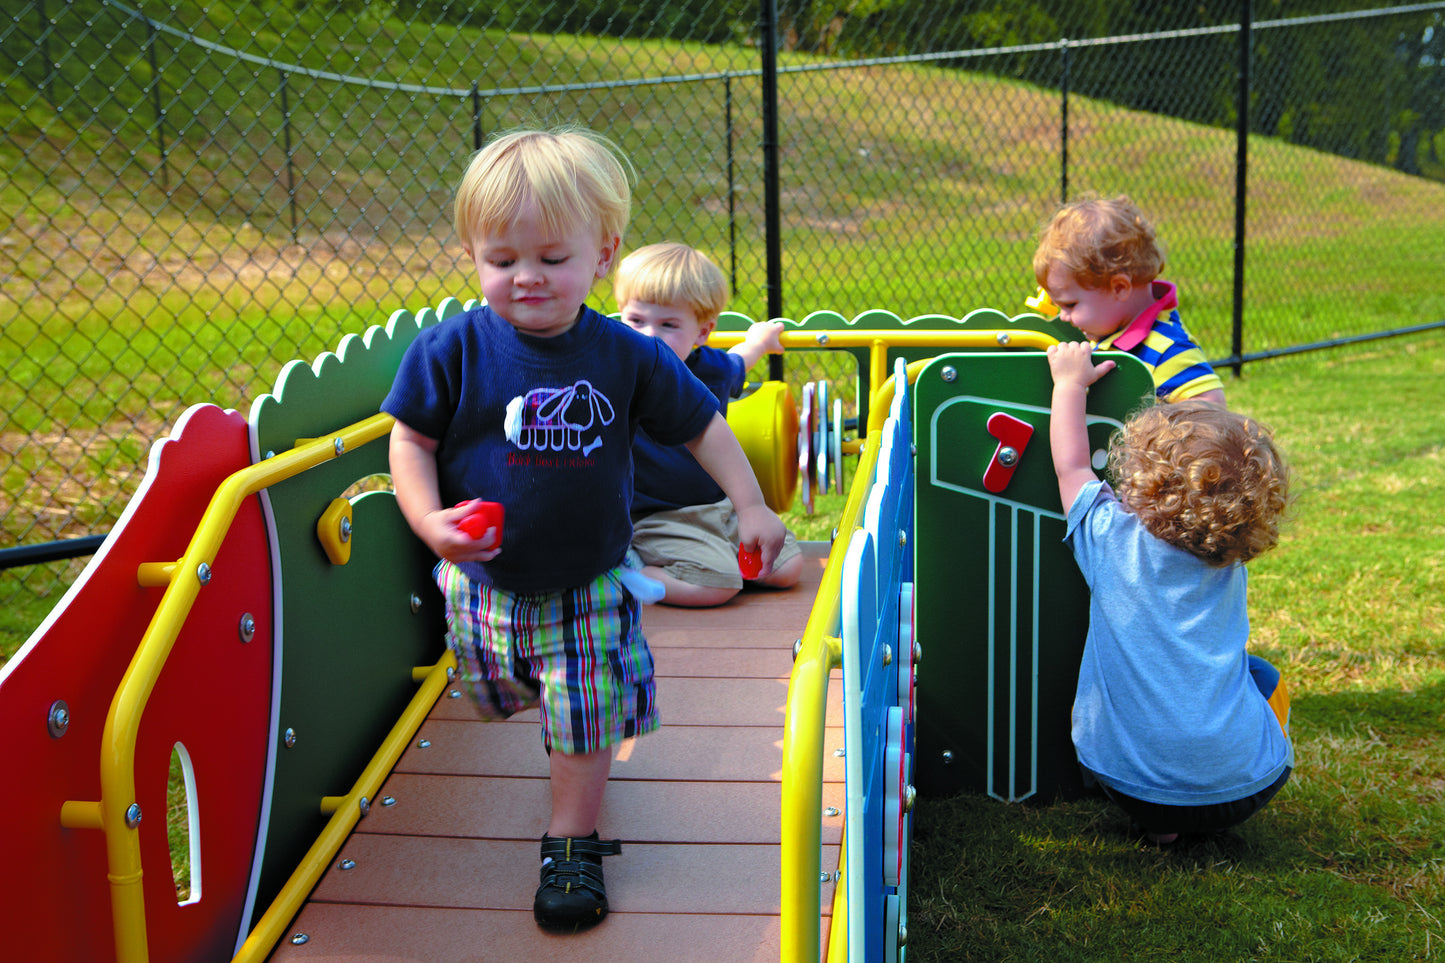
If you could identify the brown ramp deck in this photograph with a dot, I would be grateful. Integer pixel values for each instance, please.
(444, 867)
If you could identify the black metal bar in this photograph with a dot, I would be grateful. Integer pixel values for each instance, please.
(1064, 122)
(156, 103)
(732, 185)
(290, 168)
(771, 215)
(476, 117)
(22, 555)
(1241, 184)
(47, 85)
(1235, 361)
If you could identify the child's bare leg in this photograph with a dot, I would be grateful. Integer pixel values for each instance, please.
(687, 595)
(785, 575)
(578, 783)
(572, 893)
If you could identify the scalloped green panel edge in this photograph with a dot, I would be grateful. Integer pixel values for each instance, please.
(349, 635)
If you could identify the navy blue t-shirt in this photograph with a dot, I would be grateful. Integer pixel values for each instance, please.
(545, 426)
(667, 475)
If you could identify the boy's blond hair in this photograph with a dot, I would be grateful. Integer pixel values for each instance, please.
(672, 273)
(1095, 239)
(572, 175)
(1202, 478)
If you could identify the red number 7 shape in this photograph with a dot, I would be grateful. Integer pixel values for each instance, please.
(1013, 437)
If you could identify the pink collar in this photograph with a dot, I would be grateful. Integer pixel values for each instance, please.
(1133, 335)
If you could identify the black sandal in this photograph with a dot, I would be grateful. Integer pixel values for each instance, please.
(572, 894)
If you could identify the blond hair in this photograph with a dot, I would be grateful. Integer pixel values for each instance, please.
(1095, 239)
(670, 273)
(573, 176)
(1204, 479)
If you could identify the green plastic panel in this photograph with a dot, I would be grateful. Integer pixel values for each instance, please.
(1000, 607)
(349, 635)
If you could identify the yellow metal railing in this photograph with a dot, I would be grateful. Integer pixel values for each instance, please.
(878, 342)
(819, 652)
(346, 812)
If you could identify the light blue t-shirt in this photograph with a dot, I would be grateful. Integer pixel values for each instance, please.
(1165, 710)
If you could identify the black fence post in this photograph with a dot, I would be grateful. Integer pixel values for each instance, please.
(286, 142)
(1064, 121)
(1241, 184)
(476, 117)
(771, 217)
(732, 185)
(156, 103)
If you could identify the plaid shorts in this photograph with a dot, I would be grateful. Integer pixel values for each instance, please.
(579, 652)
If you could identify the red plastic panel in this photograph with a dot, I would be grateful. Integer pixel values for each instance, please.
(213, 698)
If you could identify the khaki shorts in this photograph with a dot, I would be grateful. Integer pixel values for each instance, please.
(697, 545)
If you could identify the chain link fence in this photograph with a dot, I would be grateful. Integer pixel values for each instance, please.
(194, 194)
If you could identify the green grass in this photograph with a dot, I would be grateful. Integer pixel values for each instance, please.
(1348, 862)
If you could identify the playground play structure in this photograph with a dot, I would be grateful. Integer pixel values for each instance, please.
(261, 629)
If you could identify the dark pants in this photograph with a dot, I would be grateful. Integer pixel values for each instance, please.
(1158, 818)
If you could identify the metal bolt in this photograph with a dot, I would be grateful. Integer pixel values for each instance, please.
(132, 816)
(454, 694)
(887, 654)
(840, 752)
(339, 445)
(830, 811)
(1008, 457)
(1003, 337)
(824, 877)
(364, 805)
(423, 744)
(203, 572)
(948, 757)
(415, 603)
(451, 672)
(822, 339)
(59, 718)
(247, 627)
(388, 800)
(949, 373)
(298, 938)
(902, 538)
(902, 935)
(345, 529)
(289, 737)
(910, 795)
(348, 864)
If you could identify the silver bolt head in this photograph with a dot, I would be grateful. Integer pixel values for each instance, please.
(58, 720)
